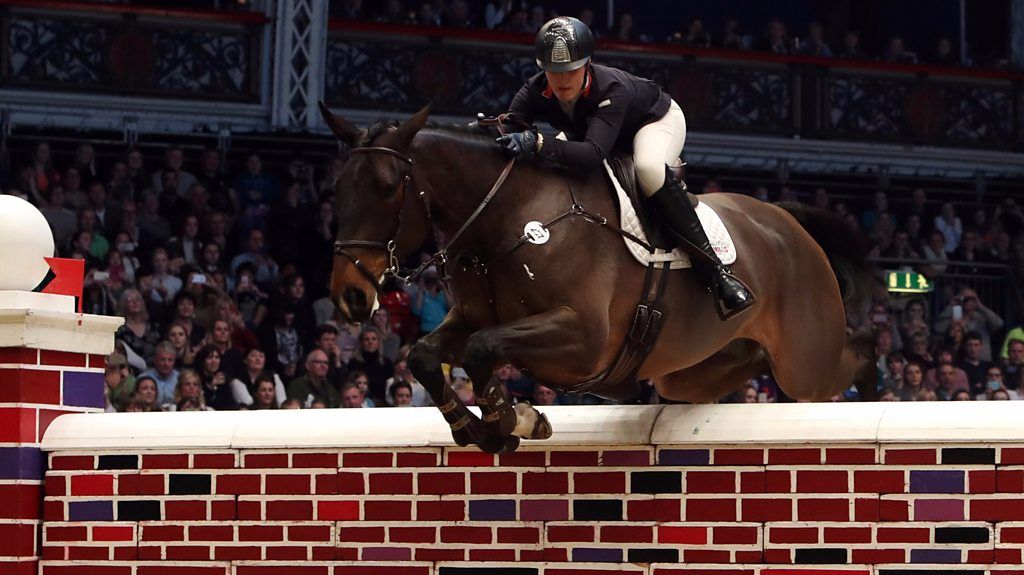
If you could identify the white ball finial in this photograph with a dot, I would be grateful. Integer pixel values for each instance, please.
(25, 239)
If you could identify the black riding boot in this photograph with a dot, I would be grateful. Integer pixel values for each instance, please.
(681, 219)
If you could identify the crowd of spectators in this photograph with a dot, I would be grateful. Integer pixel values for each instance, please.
(221, 274)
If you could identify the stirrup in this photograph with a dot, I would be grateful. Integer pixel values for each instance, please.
(724, 314)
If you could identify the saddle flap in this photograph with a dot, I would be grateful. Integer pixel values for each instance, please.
(625, 173)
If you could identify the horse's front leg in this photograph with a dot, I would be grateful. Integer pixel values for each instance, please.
(556, 345)
(443, 344)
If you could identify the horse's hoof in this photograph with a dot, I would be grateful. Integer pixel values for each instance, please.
(495, 444)
(542, 429)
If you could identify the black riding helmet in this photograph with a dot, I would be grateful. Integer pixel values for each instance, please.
(563, 44)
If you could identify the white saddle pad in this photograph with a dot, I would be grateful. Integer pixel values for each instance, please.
(721, 241)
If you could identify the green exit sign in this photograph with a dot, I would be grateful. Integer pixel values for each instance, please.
(907, 282)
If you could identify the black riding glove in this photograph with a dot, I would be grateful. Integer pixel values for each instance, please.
(520, 143)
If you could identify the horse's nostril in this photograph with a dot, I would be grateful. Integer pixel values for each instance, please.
(355, 298)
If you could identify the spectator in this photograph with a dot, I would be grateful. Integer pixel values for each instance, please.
(915, 229)
(544, 395)
(221, 337)
(961, 395)
(146, 397)
(400, 394)
(163, 286)
(970, 251)
(326, 340)
(999, 395)
(462, 386)
(186, 247)
(137, 333)
(623, 30)
(351, 396)
(62, 220)
(189, 389)
(587, 17)
(85, 163)
(897, 52)
(880, 206)
(208, 365)
(75, 197)
(927, 395)
(137, 175)
(972, 364)
(815, 44)
(893, 376)
(732, 39)
(887, 395)
(692, 35)
(42, 163)
(313, 385)
(119, 186)
(120, 383)
(430, 304)
(266, 268)
(361, 381)
(243, 387)
(949, 225)
(153, 229)
(537, 18)
(950, 379)
(776, 40)
(427, 16)
(851, 46)
(256, 189)
(974, 316)
(496, 11)
(163, 373)
(281, 342)
(915, 320)
(944, 54)
(177, 335)
(390, 342)
(174, 159)
(1013, 365)
(913, 378)
(369, 359)
(266, 394)
(420, 397)
(935, 253)
(995, 381)
(901, 247)
(458, 15)
(292, 294)
(221, 196)
(98, 245)
(184, 306)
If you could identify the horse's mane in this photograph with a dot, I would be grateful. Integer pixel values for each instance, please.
(462, 132)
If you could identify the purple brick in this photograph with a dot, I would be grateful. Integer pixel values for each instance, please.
(83, 389)
(90, 511)
(935, 556)
(684, 457)
(937, 481)
(543, 510)
(938, 510)
(492, 510)
(387, 554)
(592, 555)
(21, 463)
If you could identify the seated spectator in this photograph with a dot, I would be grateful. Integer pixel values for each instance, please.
(1000, 395)
(732, 38)
(85, 162)
(971, 250)
(927, 395)
(517, 22)
(163, 373)
(776, 39)
(851, 46)
(420, 397)
(184, 306)
(972, 364)
(244, 386)
(139, 178)
(177, 335)
(120, 383)
(430, 304)
(400, 394)
(945, 377)
(107, 221)
(390, 342)
(995, 381)
(458, 16)
(186, 247)
(266, 268)
(137, 333)
(313, 385)
(221, 197)
(935, 252)
(914, 229)
(913, 378)
(253, 303)
(352, 396)
(291, 404)
(961, 395)
(815, 44)
(146, 396)
(901, 247)
(163, 285)
(369, 359)
(220, 336)
(915, 320)
(974, 317)
(692, 34)
(363, 383)
(1013, 365)
(210, 260)
(257, 190)
(215, 391)
(949, 225)
(462, 386)
(944, 54)
(327, 342)
(880, 205)
(62, 220)
(897, 52)
(892, 378)
(887, 395)
(266, 392)
(280, 342)
(544, 395)
(623, 31)
(98, 246)
(189, 388)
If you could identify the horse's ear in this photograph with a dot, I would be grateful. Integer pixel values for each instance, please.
(410, 127)
(342, 128)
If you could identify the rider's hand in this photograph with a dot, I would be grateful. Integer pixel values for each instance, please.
(520, 143)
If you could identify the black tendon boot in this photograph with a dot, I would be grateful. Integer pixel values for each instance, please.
(681, 219)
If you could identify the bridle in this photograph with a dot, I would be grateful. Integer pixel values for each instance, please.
(391, 246)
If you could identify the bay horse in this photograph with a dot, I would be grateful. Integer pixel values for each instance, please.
(561, 310)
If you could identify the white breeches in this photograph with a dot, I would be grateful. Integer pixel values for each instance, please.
(656, 145)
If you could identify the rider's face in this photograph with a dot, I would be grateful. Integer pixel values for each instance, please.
(566, 85)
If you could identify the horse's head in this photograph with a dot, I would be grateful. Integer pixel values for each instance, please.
(373, 224)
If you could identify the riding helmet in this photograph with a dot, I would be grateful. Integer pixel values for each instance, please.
(563, 44)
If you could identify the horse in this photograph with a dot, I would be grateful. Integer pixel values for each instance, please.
(560, 310)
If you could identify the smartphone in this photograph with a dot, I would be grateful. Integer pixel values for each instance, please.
(100, 276)
(199, 279)
(958, 311)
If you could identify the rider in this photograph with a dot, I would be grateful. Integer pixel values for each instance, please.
(601, 109)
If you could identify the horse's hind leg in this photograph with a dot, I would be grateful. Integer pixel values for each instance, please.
(554, 345)
(425, 360)
(716, 376)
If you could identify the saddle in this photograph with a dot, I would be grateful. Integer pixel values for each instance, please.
(623, 168)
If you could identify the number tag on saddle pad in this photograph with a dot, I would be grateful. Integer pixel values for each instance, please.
(536, 233)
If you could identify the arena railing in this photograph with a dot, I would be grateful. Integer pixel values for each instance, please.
(384, 66)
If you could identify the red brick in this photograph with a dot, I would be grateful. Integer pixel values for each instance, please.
(454, 510)
(875, 556)
(223, 510)
(880, 481)
(386, 511)
(279, 553)
(630, 458)
(1009, 481)
(265, 460)
(626, 534)
(214, 461)
(87, 553)
(1011, 456)
(185, 509)
(211, 533)
(390, 483)
(113, 533)
(570, 533)
(361, 534)
(764, 510)
(150, 553)
(525, 535)
(434, 554)
(260, 533)
(441, 483)
(351, 483)
(52, 553)
(685, 535)
(909, 456)
(1008, 556)
(752, 482)
(851, 456)
(823, 509)
(325, 483)
(53, 510)
(479, 535)
(55, 533)
(778, 481)
(418, 459)
(315, 460)
(545, 482)
(55, 485)
(72, 462)
(739, 457)
(599, 482)
(742, 558)
(866, 509)
(345, 554)
(29, 386)
(238, 484)
(17, 425)
(574, 459)
(20, 501)
(126, 553)
(289, 510)
(794, 456)
(367, 459)
(660, 510)
(1011, 534)
(734, 535)
(285, 570)
(86, 570)
(493, 482)
(982, 556)
(152, 532)
(981, 481)
(141, 484)
(470, 459)
(705, 556)
(903, 534)
(847, 535)
(380, 570)
(92, 484)
(997, 510)
(710, 509)
(805, 535)
(97, 361)
(237, 553)
(813, 481)
(482, 555)
(412, 534)
(318, 533)
(46, 417)
(165, 461)
(778, 556)
(61, 358)
(21, 355)
(293, 484)
(893, 510)
(523, 459)
(710, 482)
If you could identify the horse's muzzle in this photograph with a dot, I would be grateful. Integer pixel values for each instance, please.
(354, 305)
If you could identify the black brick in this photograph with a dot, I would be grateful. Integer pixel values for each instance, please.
(188, 484)
(654, 556)
(968, 455)
(821, 556)
(138, 511)
(961, 535)
(597, 510)
(656, 482)
(118, 462)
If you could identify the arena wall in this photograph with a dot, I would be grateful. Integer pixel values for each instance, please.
(884, 488)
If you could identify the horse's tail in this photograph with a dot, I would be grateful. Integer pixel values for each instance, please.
(846, 253)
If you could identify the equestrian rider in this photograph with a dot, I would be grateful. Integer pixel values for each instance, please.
(601, 109)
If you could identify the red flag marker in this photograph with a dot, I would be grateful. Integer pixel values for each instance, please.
(69, 277)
